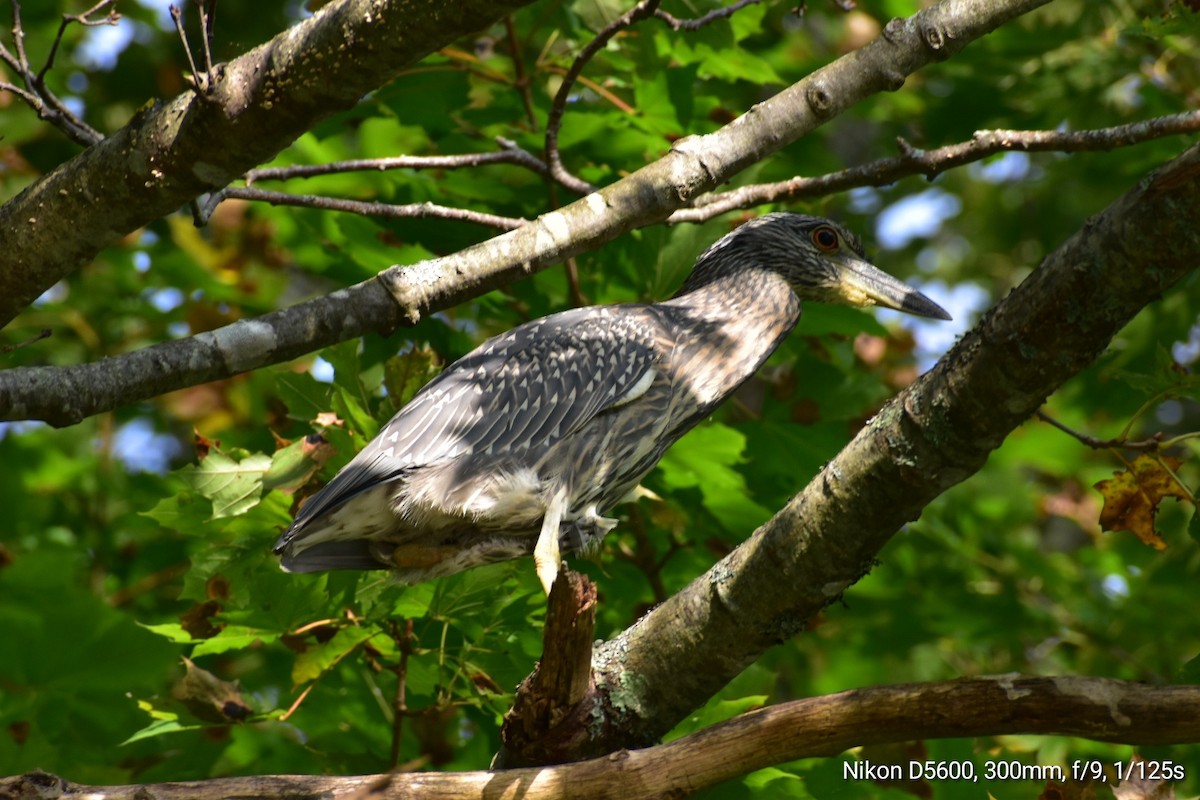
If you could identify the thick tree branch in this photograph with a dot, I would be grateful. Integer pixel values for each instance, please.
(1094, 708)
(695, 165)
(259, 103)
(932, 436)
(559, 683)
(931, 163)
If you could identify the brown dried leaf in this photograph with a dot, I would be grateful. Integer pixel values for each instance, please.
(1131, 497)
(210, 698)
(198, 620)
(203, 444)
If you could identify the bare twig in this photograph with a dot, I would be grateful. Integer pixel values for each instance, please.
(598, 89)
(931, 163)
(296, 703)
(643, 555)
(202, 81)
(207, 9)
(468, 62)
(404, 642)
(149, 583)
(695, 24)
(641, 11)
(575, 290)
(45, 333)
(523, 83)
(387, 210)
(83, 19)
(1148, 445)
(512, 153)
(1152, 447)
(35, 93)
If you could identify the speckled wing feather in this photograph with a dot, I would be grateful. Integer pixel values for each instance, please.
(518, 392)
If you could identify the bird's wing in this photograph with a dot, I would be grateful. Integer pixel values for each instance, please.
(520, 391)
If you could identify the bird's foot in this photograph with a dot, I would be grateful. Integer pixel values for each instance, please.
(546, 553)
(546, 558)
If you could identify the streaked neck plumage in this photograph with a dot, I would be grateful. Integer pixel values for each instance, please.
(734, 319)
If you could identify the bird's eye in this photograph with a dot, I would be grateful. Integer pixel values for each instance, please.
(825, 238)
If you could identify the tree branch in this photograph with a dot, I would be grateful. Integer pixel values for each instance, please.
(935, 434)
(511, 153)
(912, 161)
(36, 94)
(678, 24)
(695, 164)
(931, 163)
(558, 107)
(369, 209)
(1094, 708)
(559, 683)
(170, 153)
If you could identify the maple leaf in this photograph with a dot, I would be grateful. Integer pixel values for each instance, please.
(1131, 497)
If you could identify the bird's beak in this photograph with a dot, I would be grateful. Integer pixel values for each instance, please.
(862, 284)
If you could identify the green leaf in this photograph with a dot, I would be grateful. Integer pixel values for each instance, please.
(318, 659)
(172, 631)
(1166, 377)
(707, 458)
(775, 782)
(715, 711)
(1189, 673)
(233, 485)
(304, 396)
(233, 637)
(161, 727)
(349, 407)
(414, 601)
(181, 511)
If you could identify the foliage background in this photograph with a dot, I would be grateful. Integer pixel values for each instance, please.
(122, 553)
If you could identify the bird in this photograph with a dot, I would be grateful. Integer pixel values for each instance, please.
(526, 444)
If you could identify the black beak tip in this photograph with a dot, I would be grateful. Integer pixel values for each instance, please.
(920, 305)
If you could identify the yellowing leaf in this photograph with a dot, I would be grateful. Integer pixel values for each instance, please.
(1131, 497)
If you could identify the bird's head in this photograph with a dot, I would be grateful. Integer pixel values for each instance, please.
(819, 258)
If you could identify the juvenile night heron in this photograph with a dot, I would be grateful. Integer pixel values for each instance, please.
(524, 444)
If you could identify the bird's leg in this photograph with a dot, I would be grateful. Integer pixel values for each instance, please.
(546, 554)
